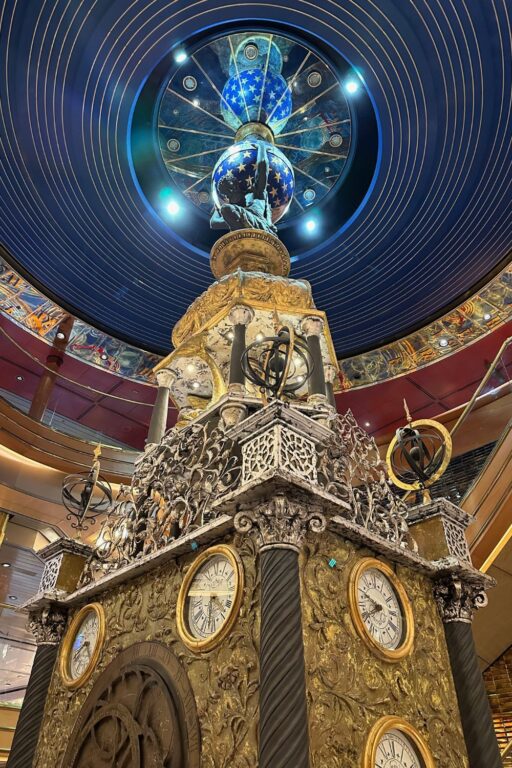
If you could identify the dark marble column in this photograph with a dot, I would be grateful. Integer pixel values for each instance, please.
(312, 327)
(331, 374)
(48, 627)
(240, 317)
(457, 601)
(281, 524)
(158, 423)
(284, 738)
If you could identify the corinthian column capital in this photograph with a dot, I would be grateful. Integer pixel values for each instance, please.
(48, 625)
(280, 522)
(165, 378)
(457, 600)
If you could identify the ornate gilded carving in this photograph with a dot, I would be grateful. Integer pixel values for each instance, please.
(174, 485)
(251, 287)
(281, 521)
(457, 600)
(350, 468)
(48, 625)
(349, 688)
(250, 250)
(224, 683)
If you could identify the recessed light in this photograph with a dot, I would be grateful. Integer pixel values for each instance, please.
(6, 565)
(487, 316)
(12, 597)
(351, 86)
(60, 335)
(443, 343)
(173, 208)
(180, 57)
(367, 424)
(310, 225)
(104, 356)
(20, 378)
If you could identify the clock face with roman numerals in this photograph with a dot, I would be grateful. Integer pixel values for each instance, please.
(380, 608)
(210, 597)
(396, 750)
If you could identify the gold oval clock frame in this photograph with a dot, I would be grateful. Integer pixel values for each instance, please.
(386, 654)
(67, 645)
(392, 723)
(206, 644)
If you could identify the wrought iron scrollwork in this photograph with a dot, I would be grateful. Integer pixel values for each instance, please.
(350, 468)
(173, 487)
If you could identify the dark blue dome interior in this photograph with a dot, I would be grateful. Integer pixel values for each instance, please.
(432, 226)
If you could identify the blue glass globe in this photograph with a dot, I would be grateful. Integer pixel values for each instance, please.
(243, 101)
(237, 165)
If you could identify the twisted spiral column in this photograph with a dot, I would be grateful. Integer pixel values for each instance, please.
(457, 602)
(48, 627)
(284, 739)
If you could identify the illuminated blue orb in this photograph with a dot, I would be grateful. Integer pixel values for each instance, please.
(237, 165)
(243, 102)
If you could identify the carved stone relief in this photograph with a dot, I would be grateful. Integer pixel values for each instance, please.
(224, 681)
(349, 687)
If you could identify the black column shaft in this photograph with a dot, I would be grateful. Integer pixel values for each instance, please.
(317, 379)
(284, 738)
(236, 374)
(27, 731)
(329, 391)
(474, 708)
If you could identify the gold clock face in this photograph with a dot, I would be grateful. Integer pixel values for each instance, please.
(82, 645)
(210, 598)
(381, 610)
(394, 743)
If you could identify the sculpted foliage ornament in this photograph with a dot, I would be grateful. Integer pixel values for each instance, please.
(173, 486)
(48, 625)
(350, 468)
(457, 600)
(281, 520)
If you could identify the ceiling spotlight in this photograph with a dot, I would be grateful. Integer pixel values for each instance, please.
(12, 597)
(180, 57)
(60, 335)
(20, 378)
(487, 316)
(104, 356)
(195, 385)
(311, 225)
(6, 565)
(173, 208)
(367, 424)
(351, 86)
(443, 343)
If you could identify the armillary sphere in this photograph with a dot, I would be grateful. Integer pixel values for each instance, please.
(419, 454)
(278, 365)
(86, 495)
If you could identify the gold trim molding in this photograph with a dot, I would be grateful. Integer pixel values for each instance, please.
(383, 653)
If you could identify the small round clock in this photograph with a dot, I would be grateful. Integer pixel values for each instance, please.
(381, 610)
(82, 645)
(210, 598)
(394, 743)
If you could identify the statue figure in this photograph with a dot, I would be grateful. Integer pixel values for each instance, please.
(246, 210)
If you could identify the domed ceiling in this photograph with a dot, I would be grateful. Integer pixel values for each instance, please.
(395, 117)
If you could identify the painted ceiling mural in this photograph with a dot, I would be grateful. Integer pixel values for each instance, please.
(410, 195)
